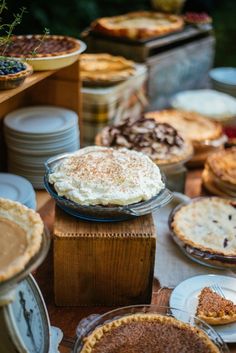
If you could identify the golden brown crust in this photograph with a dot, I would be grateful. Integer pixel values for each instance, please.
(192, 125)
(61, 49)
(105, 68)
(99, 332)
(214, 309)
(117, 25)
(189, 225)
(223, 165)
(209, 185)
(24, 73)
(31, 223)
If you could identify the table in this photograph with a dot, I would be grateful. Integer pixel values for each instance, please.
(67, 318)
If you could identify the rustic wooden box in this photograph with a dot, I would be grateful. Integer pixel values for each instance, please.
(103, 263)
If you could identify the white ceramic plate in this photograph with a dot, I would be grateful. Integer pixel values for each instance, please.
(17, 188)
(185, 297)
(41, 120)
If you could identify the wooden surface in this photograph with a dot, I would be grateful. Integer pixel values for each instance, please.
(67, 318)
(94, 261)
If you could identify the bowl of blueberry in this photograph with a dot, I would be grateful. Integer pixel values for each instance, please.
(13, 72)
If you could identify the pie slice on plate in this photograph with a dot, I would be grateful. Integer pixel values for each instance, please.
(214, 309)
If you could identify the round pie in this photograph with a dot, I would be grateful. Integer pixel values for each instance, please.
(106, 176)
(207, 224)
(105, 69)
(154, 333)
(212, 104)
(21, 237)
(38, 46)
(191, 125)
(138, 25)
(223, 165)
(160, 141)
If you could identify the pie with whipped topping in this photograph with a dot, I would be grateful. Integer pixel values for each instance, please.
(21, 232)
(160, 141)
(191, 125)
(37, 46)
(106, 176)
(207, 224)
(104, 69)
(154, 333)
(214, 309)
(138, 25)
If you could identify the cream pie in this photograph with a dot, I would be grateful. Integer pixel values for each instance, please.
(214, 309)
(21, 232)
(144, 333)
(138, 25)
(106, 176)
(207, 224)
(160, 141)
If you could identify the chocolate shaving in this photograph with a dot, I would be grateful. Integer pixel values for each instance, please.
(225, 242)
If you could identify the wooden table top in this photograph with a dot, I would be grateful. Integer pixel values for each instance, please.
(67, 318)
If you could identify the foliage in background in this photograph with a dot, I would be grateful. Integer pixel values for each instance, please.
(72, 16)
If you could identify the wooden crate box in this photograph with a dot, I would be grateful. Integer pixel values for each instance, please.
(103, 263)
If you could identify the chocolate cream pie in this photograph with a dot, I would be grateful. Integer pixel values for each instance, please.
(148, 333)
(21, 232)
(160, 141)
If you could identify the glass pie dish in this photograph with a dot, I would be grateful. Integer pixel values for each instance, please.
(11, 283)
(198, 255)
(89, 324)
(101, 213)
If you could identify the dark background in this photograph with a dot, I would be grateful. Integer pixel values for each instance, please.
(70, 17)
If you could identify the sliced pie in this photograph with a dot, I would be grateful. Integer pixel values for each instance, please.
(38, 46)
(214, 309)
(21, 232)
(138, 25)
(104, 69)
(143, 333)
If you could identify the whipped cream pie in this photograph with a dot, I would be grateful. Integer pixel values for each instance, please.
(105, 176)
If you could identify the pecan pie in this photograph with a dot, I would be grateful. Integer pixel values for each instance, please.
(160, 141)
(214, 309)
(148, 333)
(138, 25)
(105, 69)
(106, 176)
(38, 46)
(207, 224)
(21, 232)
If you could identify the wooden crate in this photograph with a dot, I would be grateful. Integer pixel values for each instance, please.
(103, 263)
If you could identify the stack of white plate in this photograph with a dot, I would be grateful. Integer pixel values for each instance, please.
(34, 134)
(224, 79)
(16, 188)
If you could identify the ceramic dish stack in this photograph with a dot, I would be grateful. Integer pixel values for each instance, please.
(16, 188)
(34, 134)
(224, 79)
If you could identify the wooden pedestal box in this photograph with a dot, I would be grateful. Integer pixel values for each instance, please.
(103, 263)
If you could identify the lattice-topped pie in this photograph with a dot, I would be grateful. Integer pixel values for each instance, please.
(37, 46)
(21, 232)
(143, 333)
(207, 224)
(160, 141)
(214, 309)
(138, 25)
(104, 69)
(105, 176)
